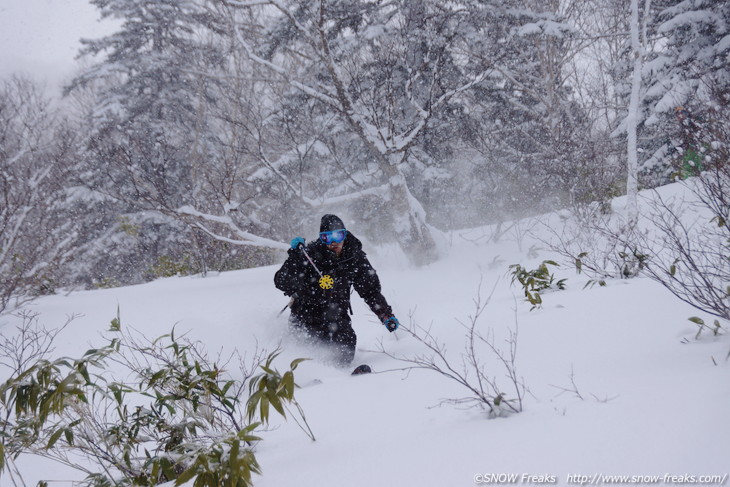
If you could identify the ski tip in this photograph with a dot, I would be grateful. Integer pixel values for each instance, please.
(362, 369)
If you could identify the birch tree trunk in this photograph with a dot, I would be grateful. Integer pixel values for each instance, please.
(409, 219)
(632, 120)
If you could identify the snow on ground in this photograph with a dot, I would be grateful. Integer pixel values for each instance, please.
(653, 400)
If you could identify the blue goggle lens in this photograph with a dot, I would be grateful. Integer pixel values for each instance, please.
(333, 236)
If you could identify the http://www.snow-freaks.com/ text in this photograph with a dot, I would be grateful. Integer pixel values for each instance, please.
(598, 479)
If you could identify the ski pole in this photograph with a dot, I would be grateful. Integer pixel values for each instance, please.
(291, 301)
(304, 251)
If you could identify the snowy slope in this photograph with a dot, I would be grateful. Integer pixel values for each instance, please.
(653, 402)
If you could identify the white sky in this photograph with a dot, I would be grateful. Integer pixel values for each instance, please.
(40, 38)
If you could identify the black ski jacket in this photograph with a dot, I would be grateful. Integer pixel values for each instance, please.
(314, 304)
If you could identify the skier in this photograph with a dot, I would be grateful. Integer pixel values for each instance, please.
(319, 277)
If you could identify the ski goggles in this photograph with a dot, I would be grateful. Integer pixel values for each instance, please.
(333, 236)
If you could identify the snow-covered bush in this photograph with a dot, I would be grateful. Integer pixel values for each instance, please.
(472, 369)
(689, 254)
(689, 245)
(134, 411)
(536, 281)
(595, 241)
(273, 389)
(37, 235)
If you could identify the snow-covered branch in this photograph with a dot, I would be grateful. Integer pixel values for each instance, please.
(282, 72)
(381, 191)
(244, 238)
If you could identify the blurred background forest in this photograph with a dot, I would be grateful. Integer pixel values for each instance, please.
(205, 133)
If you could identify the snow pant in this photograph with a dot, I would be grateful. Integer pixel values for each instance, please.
(333, 330)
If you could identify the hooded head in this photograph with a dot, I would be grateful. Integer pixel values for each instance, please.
(331, 222)
(329, 234)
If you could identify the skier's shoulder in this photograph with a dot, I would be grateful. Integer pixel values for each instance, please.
(353, 244)
(317, 252)
(313, 247)
(353, 249)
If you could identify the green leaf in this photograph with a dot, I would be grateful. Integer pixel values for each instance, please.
(253, 402)
(69, 436)
(296, 362)
(116, 324)
(227, 386)
(54, 438)
(270, 359)
(157, 376)
(187, 475)
(276, 402)
(84, 371)
(716, 331)
(246, 432)
(264, 409)
(286, 386)
(155, 474)
(696, 320)
(250, 438)
(160, 338)
(233, 461)
(268, 370)
(167, 469)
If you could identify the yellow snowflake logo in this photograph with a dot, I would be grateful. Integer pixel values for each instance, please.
(326, 282)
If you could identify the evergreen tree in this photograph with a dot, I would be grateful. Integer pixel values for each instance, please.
(527, 129)
(688, 66)
(150, 139)
(694, 57)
